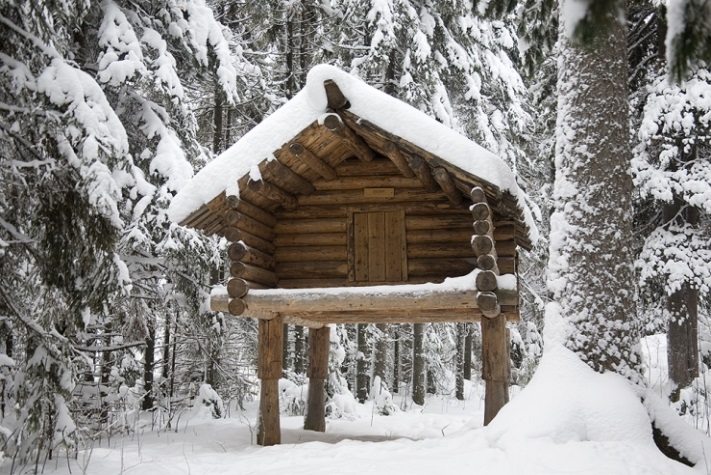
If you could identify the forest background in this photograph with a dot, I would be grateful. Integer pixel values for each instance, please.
(109, 108)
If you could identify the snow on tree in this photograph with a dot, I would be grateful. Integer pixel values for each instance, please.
(591, 262)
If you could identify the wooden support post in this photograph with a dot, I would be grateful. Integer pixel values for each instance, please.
(495, 365)
(319, 347)
(271, 336)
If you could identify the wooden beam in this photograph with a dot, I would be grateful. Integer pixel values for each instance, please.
(395, 155)
(251, 225)
(488, 304)
(238, 288)
(276, 172)
(312, 161)
(335, 98)
(359, 148)
(253, 211)
(445, 181)
(234, 234)
(254, 274)
(240, 251)
(422, 171)
(273, 193)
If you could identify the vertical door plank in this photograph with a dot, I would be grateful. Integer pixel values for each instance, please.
(360, 232)
(376, 246)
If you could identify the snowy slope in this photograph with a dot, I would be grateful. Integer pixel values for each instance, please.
(569, 420)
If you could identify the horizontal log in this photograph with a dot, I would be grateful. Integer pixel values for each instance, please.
(253, 211)
(333, 123)
(314, 239)
(307, 226)
(273, 193)
(312, 161)
(441, 221)
(462, 250)
(439, 267)
(506, 232)
(486, 281)
(251, 225)
(445, 181)
(358, 168)
(394, 153)
(343, 282)
(506, 265)
(506, 248)
(254, 274)
(220, 302)
(357, 196)
(438, 236)
(234, 234)
(360, 182)
(480, 211)
(238, 288)
(308, 270)
(311, 253)
(240, 251)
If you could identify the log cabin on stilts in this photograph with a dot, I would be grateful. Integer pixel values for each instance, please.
(349, 206)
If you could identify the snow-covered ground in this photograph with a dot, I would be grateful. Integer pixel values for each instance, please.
(567, 420)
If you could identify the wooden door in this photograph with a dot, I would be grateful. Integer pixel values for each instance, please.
(377, 247)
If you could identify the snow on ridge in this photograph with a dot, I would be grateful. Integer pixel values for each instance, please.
(368, 103)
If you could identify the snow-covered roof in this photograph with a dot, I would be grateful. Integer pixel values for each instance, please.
(368, 104)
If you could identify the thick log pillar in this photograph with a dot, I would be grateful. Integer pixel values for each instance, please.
(271, 336)
(495, 365)
(319, 347)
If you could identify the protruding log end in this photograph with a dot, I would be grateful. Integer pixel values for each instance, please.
(335, 98)
(237, 307)
(333, 123)
(482, 226)
(486, 281)
(486, 262)
(237, 288)
(478, 195)
(236, 251)
(480, 211)
(296, 149)
(488, 304)
(482, 245)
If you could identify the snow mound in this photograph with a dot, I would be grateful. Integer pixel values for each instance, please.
(566, 401)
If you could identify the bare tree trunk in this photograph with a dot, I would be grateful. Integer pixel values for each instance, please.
(461, 330)
(380, 352)
(396, 356)
(148, 367)
(362, 378)
(468, 353)
(418, 366)
(683, 308)
(299, 350)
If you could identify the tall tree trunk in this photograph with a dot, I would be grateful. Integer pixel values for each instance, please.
(396, 356)
(467, 371)
(682, 305)
(418, 365)
(165, 361)
(217, 132)
(285, 349)
(380, 352)
(299, 350)
(591, 263)
(362, 378)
